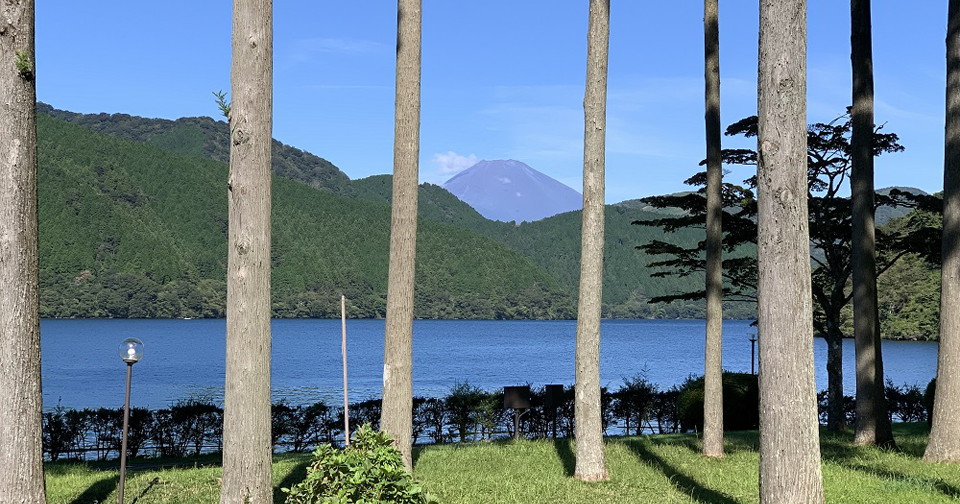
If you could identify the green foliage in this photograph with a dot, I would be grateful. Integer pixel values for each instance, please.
(828, 149)
(368, 471)
(554, 245)
(463, 404)
(220, 97)
(131, 230)
(207, 138)
(634, 402)
(24, 65)
(741, 402)
(909, 300)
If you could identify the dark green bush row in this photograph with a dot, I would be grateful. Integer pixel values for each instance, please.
(466, 413)
(906, 403)
(188, 428)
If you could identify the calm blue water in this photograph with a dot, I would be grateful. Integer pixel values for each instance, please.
(185, 358)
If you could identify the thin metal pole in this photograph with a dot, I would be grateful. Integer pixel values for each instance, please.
(123, 442)
(753, 342)
(343, 350)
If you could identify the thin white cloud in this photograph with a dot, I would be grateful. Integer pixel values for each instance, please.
(345, 87)
(308, 49)
(450, 162)
(338, 46)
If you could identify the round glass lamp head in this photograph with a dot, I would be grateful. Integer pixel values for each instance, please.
(131, 350)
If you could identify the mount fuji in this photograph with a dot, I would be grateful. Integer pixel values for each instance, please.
(508, 190)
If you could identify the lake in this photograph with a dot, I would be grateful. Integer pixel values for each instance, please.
(184, 359)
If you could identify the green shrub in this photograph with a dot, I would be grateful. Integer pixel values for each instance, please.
(928, 396)
(741, 402)
(369, 471)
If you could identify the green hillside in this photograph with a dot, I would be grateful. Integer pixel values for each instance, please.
(205, 137)
(550, 247)
(129, 229)
(554, 244)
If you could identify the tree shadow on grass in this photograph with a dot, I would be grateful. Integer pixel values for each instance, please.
(98, 491)
(566, 456)
(839, 449)
(415, 455)
(680, 481)
(937, 484)
(733, 442)
(296, 475)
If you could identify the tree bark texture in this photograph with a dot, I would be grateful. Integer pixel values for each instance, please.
(873, 424)
(397, 413)
(713, 348)
(21, 446)
(789, 437)
(247, 446)
(836, 416)
(591, 464)
(944, 443)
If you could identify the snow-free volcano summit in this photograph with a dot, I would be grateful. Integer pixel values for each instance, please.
(508, 190)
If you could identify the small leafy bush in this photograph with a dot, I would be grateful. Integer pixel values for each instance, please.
(741, 402)
(369, 471)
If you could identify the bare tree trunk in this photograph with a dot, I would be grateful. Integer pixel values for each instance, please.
(397, 413)
(944, 444)
(21, 455)
(591, 465)
(836, 416)
(247, 448)
(789, 434)
(713, 348)
(873, 424)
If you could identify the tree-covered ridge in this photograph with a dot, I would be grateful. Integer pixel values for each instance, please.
(131, 230)
(206, 137)
(554, 244)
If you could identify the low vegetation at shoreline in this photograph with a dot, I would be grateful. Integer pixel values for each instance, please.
(662, 469)
(467, 413)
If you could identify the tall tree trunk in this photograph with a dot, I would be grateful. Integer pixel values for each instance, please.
(944, 444)
(591, 465)
(397, 413)
(21, 455)
(789, 434)
(247, 446)
(873, 424)
(713, 348)
(836, 417)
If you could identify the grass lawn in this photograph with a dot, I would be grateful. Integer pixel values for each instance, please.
(650, 470)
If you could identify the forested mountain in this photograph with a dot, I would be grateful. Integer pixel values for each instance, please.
(120, 183)
(133, 224)
(554, 244)
(129, 229)
(205, 137)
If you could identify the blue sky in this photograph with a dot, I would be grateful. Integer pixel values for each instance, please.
(501, 79)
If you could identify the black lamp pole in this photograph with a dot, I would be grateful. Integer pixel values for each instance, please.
(126, 427)
(130, 352)
(753, 342)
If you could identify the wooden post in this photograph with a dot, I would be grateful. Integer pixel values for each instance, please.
(343, 350)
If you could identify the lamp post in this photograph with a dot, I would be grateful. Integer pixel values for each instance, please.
(130, 351)
(753, 343)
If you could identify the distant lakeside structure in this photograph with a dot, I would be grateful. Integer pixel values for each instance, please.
(509, 190)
